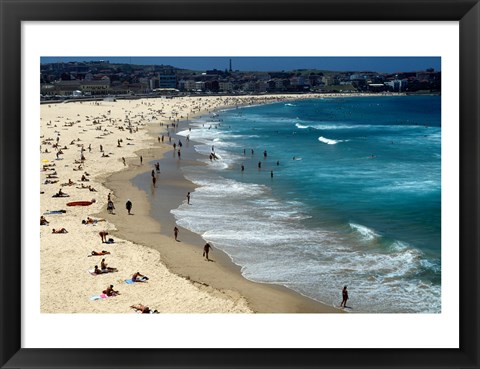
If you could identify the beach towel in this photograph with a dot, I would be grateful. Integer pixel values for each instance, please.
(99, 297)
(92, 272)
(130, 281)
(51, 212)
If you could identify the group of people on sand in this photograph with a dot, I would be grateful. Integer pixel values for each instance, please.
(111, 206)
(102, 267)
(82, 182)
(109, 291)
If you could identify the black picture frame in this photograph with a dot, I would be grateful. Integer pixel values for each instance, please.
(12, 355)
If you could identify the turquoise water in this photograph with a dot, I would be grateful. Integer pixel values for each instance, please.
(354, 198)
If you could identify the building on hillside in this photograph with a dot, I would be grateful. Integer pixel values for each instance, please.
(225, 86)
(167, 78)
(397, 85)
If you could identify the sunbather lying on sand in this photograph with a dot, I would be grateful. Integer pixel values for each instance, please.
(92, 221)
(143, 309)
(61, 230)
(99, 253)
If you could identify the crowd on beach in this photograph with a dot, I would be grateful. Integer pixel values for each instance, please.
(82, 143)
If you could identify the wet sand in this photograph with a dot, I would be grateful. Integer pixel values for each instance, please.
(185, 257)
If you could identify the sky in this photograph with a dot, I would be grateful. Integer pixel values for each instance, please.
(372, 64)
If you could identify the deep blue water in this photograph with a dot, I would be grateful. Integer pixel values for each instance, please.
(355, 197)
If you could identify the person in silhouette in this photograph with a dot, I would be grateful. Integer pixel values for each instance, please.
(344, 297)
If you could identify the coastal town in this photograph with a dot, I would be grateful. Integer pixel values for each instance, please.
(64, 80)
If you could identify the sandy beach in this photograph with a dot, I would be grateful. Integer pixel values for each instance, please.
(91, 149)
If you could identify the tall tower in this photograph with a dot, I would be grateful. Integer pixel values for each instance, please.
(230, 65)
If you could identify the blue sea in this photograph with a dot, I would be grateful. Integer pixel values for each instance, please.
(334, 192)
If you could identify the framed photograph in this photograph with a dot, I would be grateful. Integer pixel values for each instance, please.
(240, 66)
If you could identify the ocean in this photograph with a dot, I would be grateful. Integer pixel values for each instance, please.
(333, 192)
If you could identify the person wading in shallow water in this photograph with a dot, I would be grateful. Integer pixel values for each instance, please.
(344, 297)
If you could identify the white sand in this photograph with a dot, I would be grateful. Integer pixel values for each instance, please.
(66, 286)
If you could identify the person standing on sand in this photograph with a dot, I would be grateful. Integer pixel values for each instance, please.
(344, 297)
(128, 205)
(175, 233)
(206, 249)
(141, 159)
(103, 236)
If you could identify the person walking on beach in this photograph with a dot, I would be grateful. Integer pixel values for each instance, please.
(110, 207)
(141, 159)
(206, 249)
(175, 233)
(188, 198)
(344, 297)
(128, 205)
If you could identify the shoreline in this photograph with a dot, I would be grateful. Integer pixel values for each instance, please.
(222, 275)
(180, 281)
